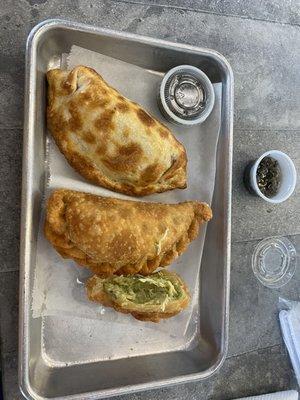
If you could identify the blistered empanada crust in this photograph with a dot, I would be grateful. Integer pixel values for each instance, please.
(109, 139)
(113, 236)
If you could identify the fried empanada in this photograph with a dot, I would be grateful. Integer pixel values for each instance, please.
(110, 140)
(147, 298)
(117, 236)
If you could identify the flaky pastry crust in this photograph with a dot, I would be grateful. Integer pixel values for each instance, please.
(113, 236)
(110, 140)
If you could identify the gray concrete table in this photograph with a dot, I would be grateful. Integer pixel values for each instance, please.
(261, 40)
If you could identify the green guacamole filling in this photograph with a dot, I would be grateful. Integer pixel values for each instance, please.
(156, 289)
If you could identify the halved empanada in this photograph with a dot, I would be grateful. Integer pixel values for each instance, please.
(111, 235)
(147, 298)
(110, 140)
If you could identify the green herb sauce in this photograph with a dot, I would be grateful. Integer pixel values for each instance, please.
(268, 176)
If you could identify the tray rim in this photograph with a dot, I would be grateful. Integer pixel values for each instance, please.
(26, 223)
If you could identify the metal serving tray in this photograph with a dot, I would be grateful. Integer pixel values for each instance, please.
(39, 375)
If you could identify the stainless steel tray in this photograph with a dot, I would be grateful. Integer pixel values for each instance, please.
(39, 376)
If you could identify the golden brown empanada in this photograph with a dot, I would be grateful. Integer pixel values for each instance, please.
(111, 235)
(152, 298)
(110, 140)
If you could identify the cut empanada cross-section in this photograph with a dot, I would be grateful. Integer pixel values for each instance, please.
(152, 298)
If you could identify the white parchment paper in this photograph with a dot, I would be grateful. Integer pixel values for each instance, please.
(59, 284)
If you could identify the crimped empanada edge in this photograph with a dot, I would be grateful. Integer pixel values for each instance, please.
(202, 212)
(86, 168)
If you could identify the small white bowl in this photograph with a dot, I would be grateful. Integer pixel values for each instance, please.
(287, 181)
(206, 85)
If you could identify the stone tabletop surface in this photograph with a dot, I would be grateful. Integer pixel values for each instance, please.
(261, 40)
